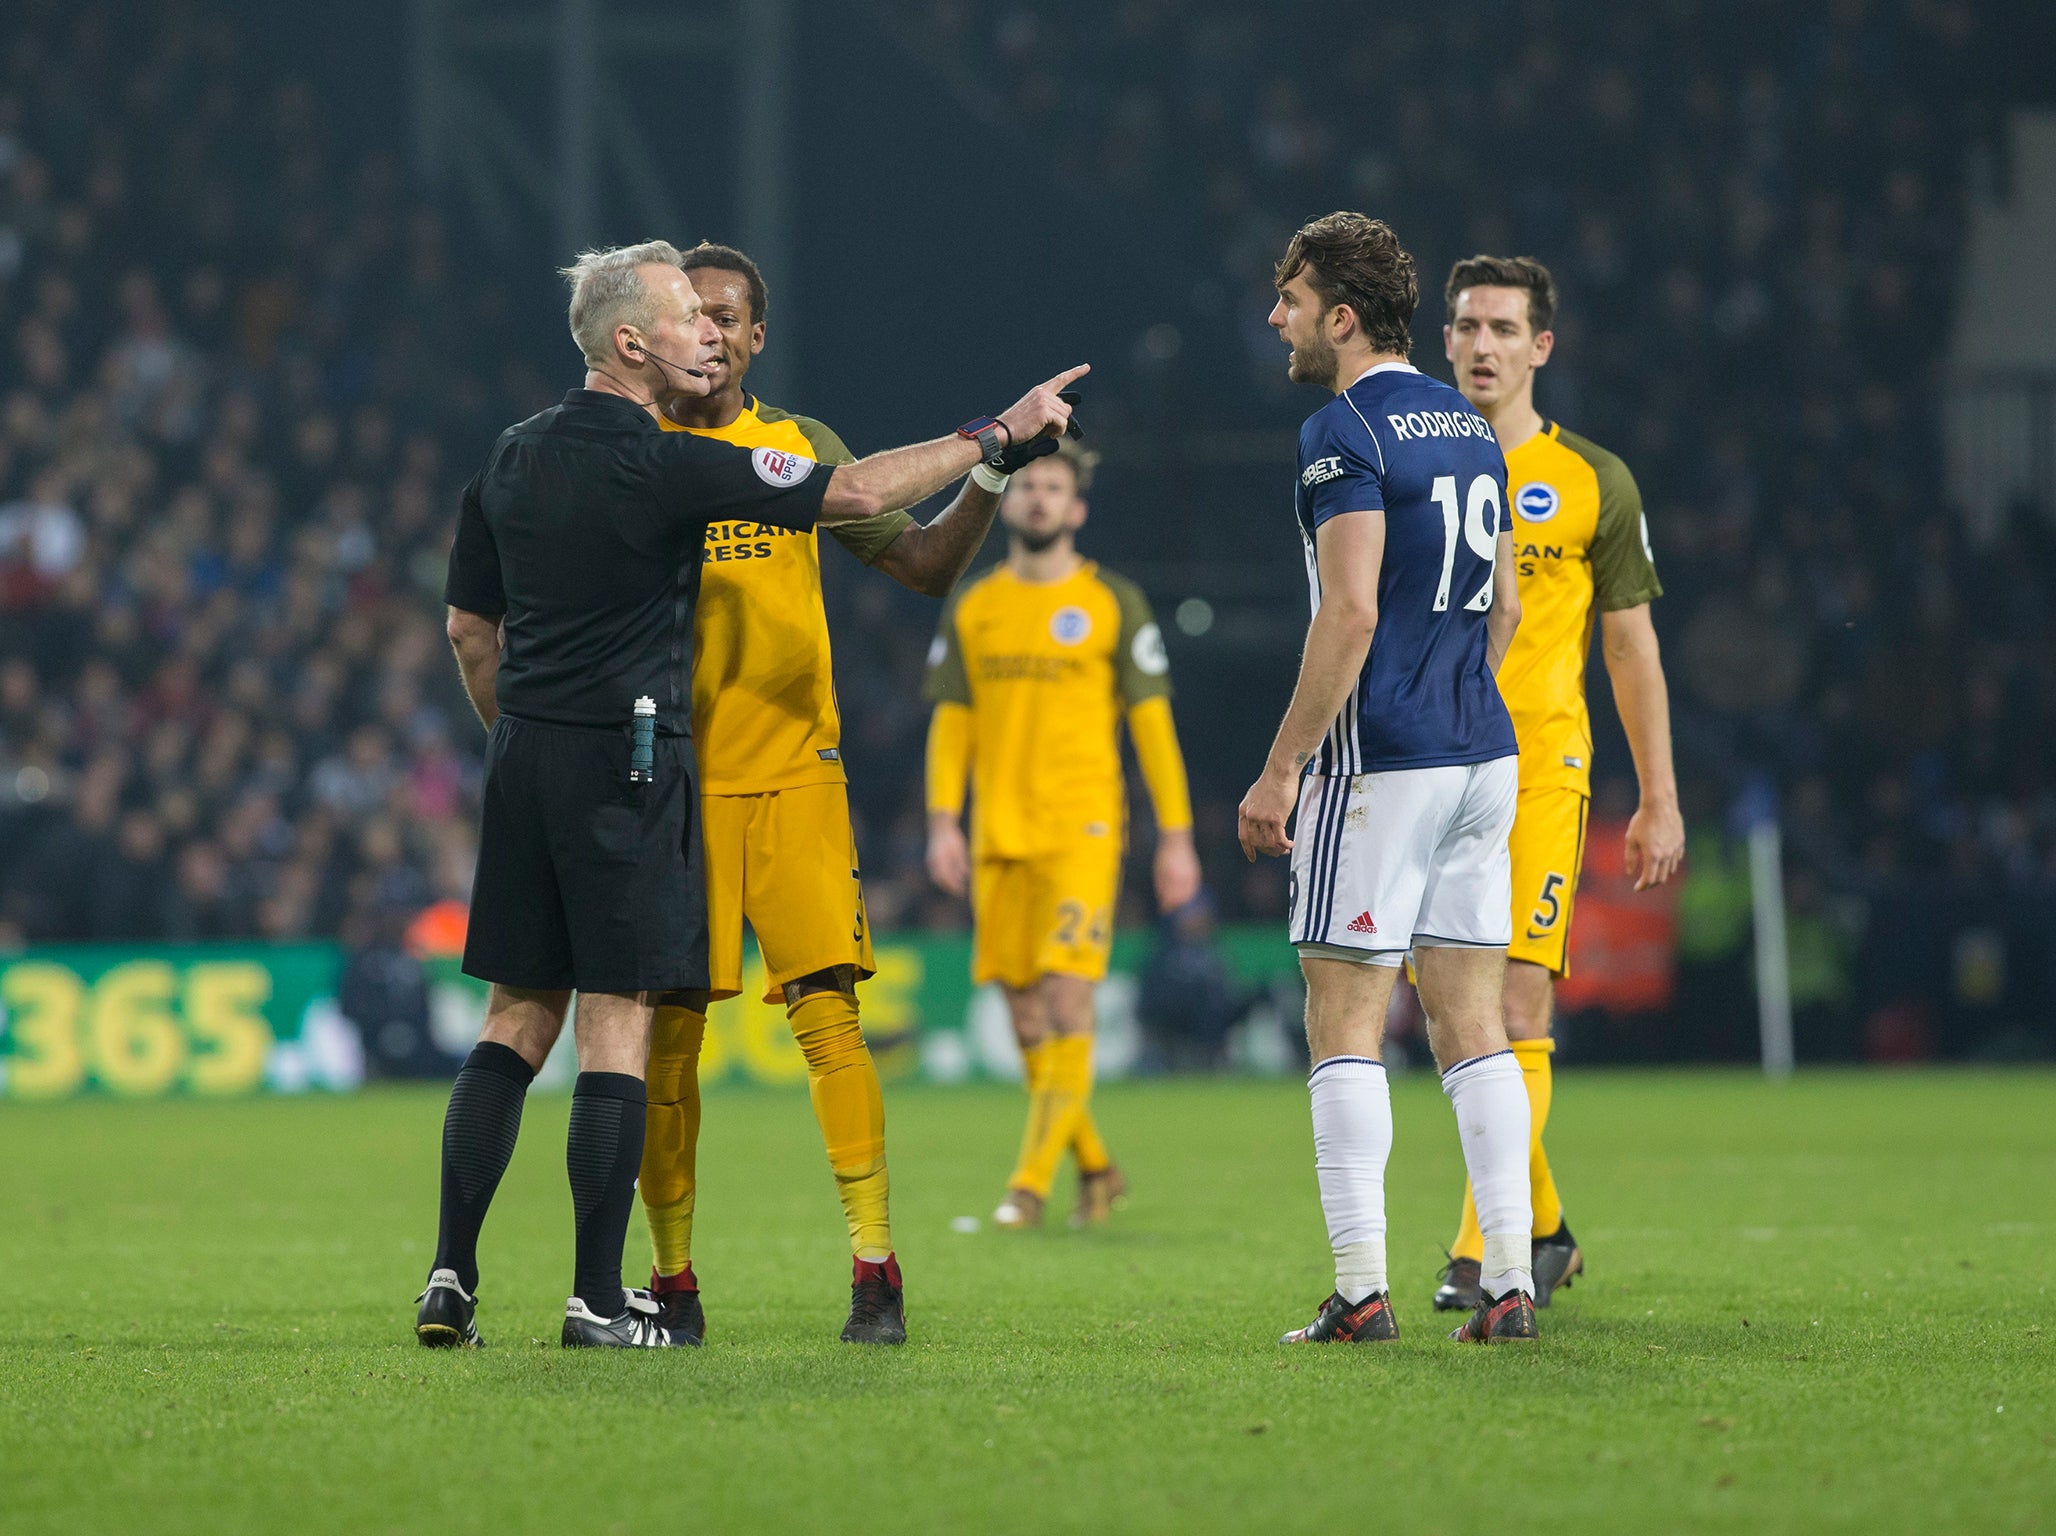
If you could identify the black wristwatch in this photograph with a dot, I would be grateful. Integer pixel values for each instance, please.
(984, 431)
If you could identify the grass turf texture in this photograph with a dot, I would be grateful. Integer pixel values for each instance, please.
(1808, 1308)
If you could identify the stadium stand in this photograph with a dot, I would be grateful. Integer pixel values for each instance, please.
(226, 706)
(243, 383)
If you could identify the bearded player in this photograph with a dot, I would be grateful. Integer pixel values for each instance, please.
(1580, 542)
(1037, 664)
(775, 809)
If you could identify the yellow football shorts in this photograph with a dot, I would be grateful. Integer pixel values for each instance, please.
(1548, 847)
(786, 861)
(1053, 914)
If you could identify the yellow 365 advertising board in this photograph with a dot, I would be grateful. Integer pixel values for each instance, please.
(146, 1022)
(201, 1019)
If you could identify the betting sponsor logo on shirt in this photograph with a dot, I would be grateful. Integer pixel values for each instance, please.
(1321, 471)
(775, 466)
(1537, 501)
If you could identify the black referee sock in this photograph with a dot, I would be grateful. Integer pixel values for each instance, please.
(603, 1155)
(479, 1130)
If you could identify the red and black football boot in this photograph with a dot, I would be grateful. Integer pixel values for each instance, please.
(1458, 1291)
(1508, 1319)
(1369, 1321)
(878, 1304)
(678, 1306)
(1557, 1259)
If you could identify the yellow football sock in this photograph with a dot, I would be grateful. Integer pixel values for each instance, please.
(1053, 1110)
(1533, 1055)
(1087, 1146)
(1035, 1068)
(843, 1083)
(671, 1136)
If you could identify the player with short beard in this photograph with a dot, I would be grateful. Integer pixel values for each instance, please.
(1036, 665)
(1398, 756)
(1580, 542)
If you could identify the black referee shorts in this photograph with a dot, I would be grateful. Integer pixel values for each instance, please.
(585, 880)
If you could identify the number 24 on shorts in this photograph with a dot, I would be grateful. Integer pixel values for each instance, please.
(1071, 916)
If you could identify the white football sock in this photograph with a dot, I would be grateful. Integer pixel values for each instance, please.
(1352, 1141)
(1492, 1120)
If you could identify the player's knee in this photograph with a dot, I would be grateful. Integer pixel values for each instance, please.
(1069, 1003)
(832, 1047)
(676, 1034)
(1028, 1015)
(834, 978)
(829, 1037)
(1529, 998)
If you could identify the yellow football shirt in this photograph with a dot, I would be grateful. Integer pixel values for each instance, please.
(1580, 539)
(1047, 670)
(763, 679)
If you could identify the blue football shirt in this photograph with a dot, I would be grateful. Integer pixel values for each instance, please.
(1400, 442)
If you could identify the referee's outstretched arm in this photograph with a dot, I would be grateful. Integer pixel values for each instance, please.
(573, 629)
(902, 477)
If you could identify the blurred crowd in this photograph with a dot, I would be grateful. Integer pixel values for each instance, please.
(241, 385)
(226, 408)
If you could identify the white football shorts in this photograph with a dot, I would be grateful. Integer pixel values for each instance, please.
(1382, 862)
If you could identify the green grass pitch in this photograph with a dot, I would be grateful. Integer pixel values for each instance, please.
(1817, 1307)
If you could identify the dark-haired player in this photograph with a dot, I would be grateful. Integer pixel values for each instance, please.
(775, 811)
(1580, 542)
(1407, 758)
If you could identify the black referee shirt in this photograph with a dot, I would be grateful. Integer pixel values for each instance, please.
(584, 532)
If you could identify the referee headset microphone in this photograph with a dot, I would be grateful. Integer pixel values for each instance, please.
(661, 360)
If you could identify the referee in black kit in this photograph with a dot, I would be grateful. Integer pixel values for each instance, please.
(571, 589)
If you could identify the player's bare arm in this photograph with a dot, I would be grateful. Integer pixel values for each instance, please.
(949, 762)
(1505, 618)
(949, 855)
(1175, 867)
(932, 559)
(1348, 551)
(1634, 663)
(1175, 870)
(903, 477)
(476, 640)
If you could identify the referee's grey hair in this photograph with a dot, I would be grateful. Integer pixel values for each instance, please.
(608, 291)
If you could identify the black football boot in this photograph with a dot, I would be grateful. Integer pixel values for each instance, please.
(1508, 1319)
(878, 1304)
(678, 1306)
(448, 1315)
(636, 1328)
(1557, 1259)
(1458, 1291)
(1369, 1321)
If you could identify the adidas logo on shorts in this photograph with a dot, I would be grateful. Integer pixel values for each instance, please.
(1362, 923)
